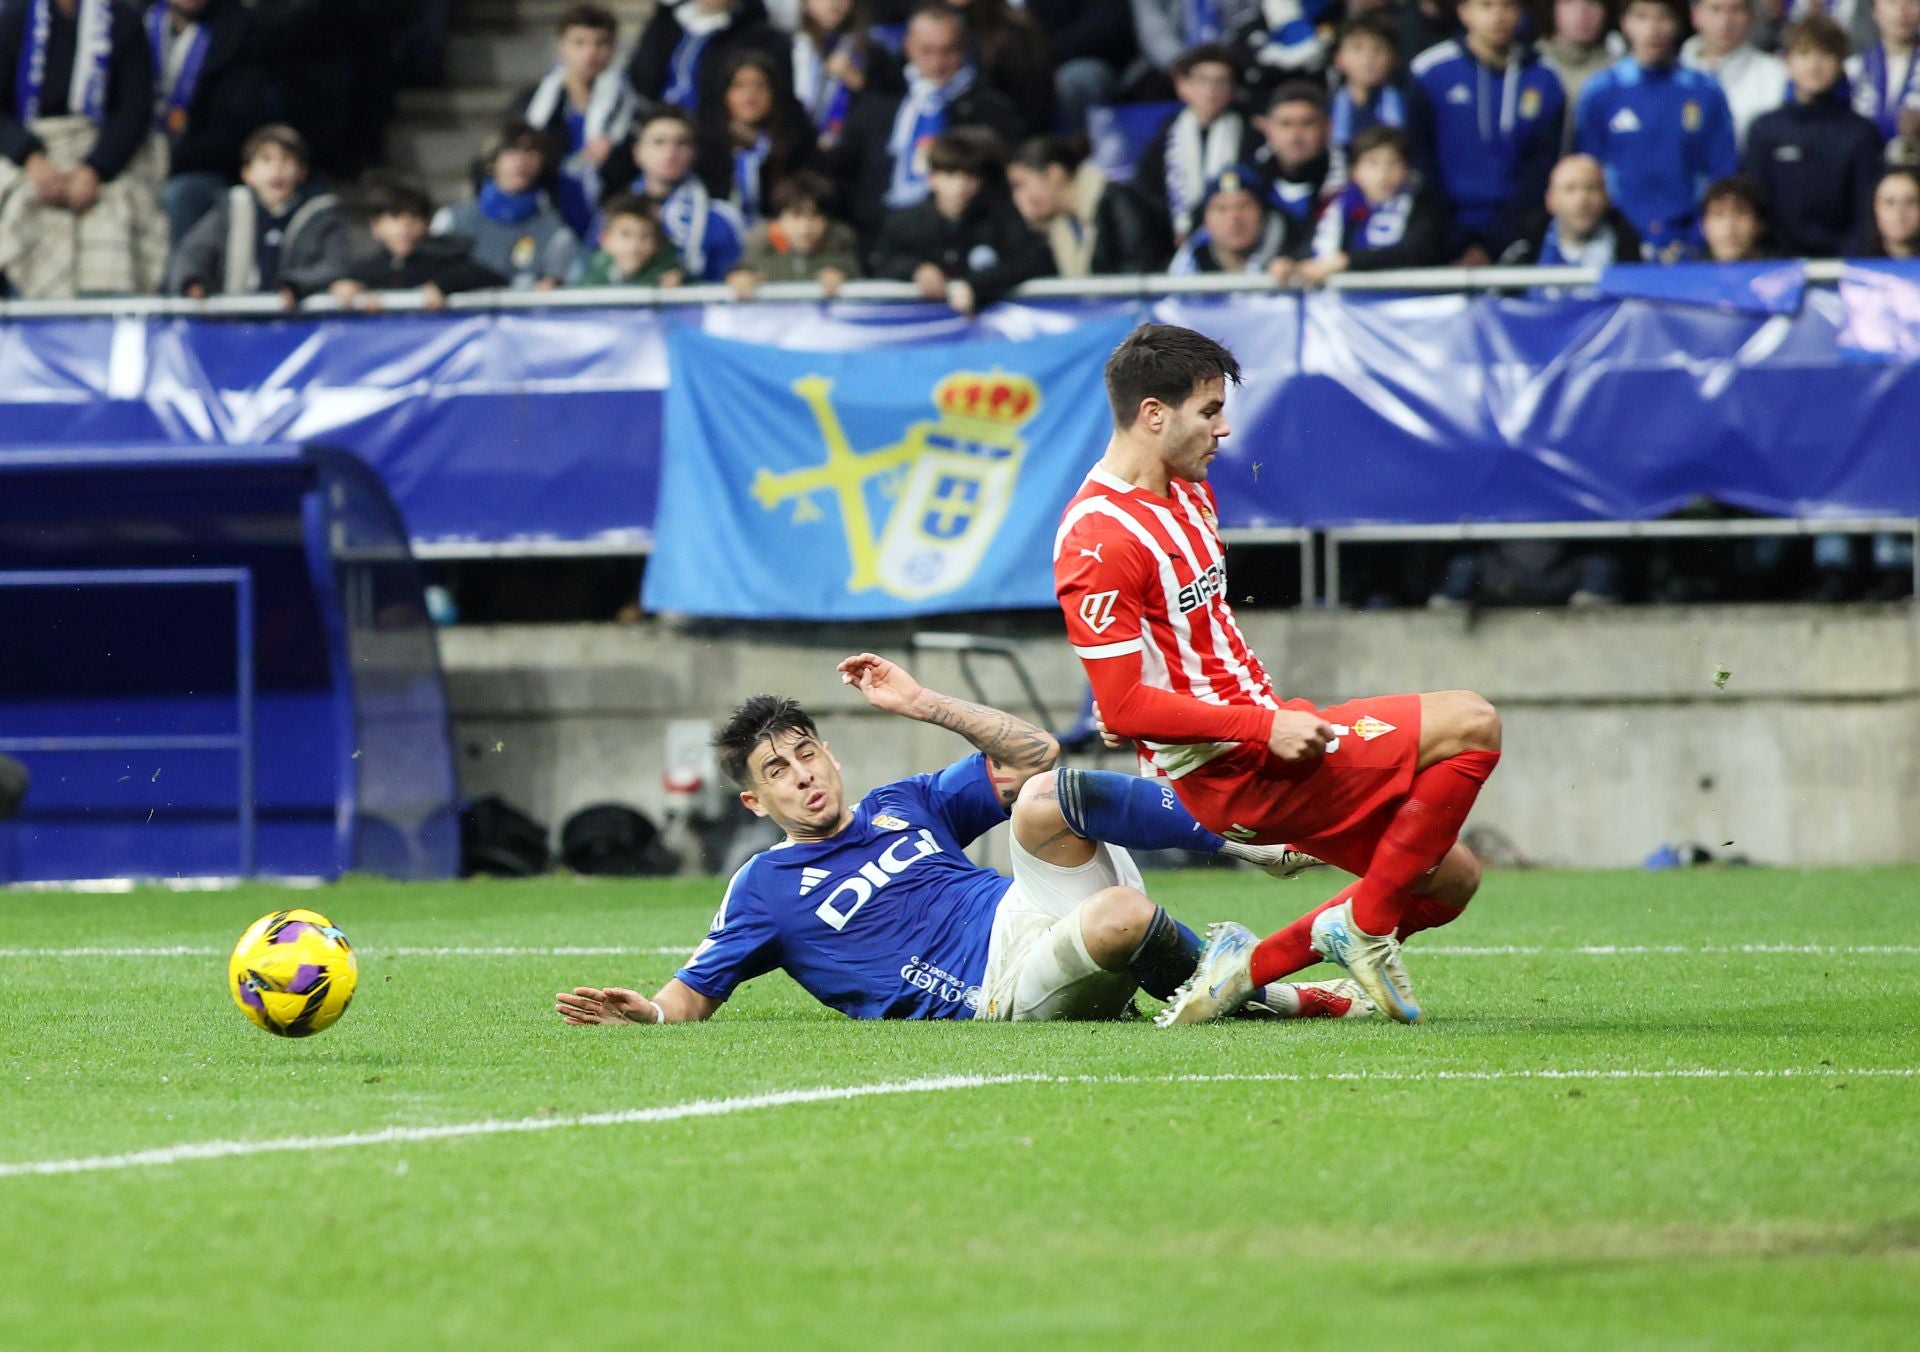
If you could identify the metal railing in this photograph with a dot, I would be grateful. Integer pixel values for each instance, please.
(643, 297)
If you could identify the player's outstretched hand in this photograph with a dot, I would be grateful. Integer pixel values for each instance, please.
(887, 685)
(1107, 738)
(1298, 736)
(587, 1004)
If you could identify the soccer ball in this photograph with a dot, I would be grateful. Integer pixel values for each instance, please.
(292, 973)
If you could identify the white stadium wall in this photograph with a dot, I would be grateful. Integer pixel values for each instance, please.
(1617, 736)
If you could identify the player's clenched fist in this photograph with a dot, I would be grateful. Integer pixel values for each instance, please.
(1298, 736)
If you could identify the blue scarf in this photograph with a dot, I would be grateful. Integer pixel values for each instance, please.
(827, 99)
(1374, 225)
(922, 116)
(747, 166)
(507, 208)
(1351, 117)
(92, 50)
(1201, 21)
(171, 102)
(1873, 99)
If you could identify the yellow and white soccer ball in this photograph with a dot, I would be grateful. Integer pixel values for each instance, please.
(293, 973)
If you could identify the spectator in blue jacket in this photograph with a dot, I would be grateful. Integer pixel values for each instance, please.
(1816, 159)
(1498, 112)
(1664, 132)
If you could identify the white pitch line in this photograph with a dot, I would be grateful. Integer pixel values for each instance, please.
(681, 950)
(675, 1112)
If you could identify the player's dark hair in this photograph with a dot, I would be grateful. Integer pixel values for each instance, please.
(1164, 362)
(761, 718)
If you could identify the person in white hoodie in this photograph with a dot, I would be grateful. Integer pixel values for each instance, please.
(1754, 81)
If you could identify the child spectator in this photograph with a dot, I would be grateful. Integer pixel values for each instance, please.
(1893, 231)
(1240, 230)
(511, 224)
(634, 249)
(1733, 221)
(1014, 58)
(76, 108)
(1582, 44)
(273, 233)
(835, 61)
(753, 138)
(709, 235)
(1754, 81)
(1372, 92)
(1092, 42)
(687, 41)
(1663, 132)
(1386, 216)
(1580, 227)
(1885, 77)
(1205, 137)
(1093, 228)
(964, 244)
(802, 243)
(1498, 124)
(1816, 159)
(407, 258)
(587, 110)
(882, 158)
(209, 91)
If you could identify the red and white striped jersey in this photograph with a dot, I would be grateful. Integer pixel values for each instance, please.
(1139, 573)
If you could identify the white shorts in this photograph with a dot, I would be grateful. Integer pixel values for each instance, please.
(1038, 966)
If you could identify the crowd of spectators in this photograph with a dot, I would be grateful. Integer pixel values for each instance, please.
(198, 146)
(210, 147)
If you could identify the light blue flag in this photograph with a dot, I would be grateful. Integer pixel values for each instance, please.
(870, 485)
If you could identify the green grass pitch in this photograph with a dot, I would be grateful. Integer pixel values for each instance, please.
(1682, 1110)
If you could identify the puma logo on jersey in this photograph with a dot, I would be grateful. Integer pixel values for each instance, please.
(1203, 588)
(1093, 553)
(1097, 610)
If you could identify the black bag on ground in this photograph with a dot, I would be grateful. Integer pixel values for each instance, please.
(614, 840)
(498, 839)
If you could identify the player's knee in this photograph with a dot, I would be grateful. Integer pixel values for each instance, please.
(1479, 721)
(1036, 808)
(1455, 879)
(1113, 921)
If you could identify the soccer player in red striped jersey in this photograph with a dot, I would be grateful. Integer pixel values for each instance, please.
(1379, 787)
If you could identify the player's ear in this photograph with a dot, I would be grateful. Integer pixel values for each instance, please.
(1153, 415)
(751, 802)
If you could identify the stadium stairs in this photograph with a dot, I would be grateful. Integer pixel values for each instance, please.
(495, 49)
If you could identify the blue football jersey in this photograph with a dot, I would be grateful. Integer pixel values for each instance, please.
(887, 920)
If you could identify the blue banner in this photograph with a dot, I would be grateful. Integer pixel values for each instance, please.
(530, 427)
(841, 486)
(1774, 287)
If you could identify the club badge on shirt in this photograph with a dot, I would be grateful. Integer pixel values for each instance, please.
(888, 822)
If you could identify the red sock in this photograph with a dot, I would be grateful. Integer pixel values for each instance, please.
(1288, 950)
(1418, 837)
(1425, 913)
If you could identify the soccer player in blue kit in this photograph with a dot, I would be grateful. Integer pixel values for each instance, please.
(875, 910)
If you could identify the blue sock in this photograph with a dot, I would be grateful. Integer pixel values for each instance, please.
(1128, 811)
(1166, 957)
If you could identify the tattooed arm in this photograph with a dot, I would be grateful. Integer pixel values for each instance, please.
(1016, 750)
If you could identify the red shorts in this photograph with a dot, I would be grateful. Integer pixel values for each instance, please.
(1335, 806)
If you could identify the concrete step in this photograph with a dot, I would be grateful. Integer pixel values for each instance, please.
(468, 106)
(425, 151)
(497, 58)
